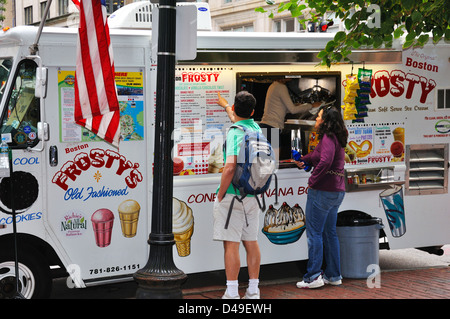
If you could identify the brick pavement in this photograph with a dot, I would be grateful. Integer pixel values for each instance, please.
(429, 283)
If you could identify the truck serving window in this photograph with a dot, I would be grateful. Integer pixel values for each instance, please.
(5, 69)
(22, 113)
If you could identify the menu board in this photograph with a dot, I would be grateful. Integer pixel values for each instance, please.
(200, 123)
(130, 94)
(131, 103)
(375, 143)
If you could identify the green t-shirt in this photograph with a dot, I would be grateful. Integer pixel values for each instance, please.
(235, 136)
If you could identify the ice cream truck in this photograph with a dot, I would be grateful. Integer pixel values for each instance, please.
(77, 207)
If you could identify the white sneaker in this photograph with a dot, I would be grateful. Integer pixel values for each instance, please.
(333, 283)
(227, 296)
(318, 282)
(251, 296)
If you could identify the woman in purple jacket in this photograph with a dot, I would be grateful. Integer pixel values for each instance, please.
(325, 194)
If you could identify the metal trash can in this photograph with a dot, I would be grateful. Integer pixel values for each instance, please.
(358, 235)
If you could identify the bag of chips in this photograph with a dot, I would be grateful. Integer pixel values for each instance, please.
(350, 94)
(363, 98)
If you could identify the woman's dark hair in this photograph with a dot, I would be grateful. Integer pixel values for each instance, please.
(333, 123)
(244, 104)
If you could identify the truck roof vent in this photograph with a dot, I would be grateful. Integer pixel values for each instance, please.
(138, 15)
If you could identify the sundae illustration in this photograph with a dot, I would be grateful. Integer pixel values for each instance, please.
(178, 165)
(215, 160)
(183, 226)
(102, 222)
(285, 225)
(129, 216)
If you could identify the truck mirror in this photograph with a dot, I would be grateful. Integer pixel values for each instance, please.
(40, 90)
(42, 131)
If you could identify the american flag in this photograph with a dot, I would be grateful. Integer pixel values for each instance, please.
(96, 104)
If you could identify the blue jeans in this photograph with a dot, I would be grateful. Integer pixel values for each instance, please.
(321, 217)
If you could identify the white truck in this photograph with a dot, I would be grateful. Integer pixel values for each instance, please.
(83, 207)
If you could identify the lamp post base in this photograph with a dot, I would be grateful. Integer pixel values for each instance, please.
(160, 278)
(155, 287)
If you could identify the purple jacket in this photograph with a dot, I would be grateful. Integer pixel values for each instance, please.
(327, 157)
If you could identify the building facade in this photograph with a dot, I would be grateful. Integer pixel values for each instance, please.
(226, 15)
(240, 15)
(62, 13)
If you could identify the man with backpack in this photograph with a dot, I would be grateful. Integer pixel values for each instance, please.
(242, 222)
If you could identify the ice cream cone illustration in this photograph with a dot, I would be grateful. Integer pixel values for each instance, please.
(102, 222)
(183, 227)
(129, 216)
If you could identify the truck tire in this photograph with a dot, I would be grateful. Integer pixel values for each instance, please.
(35, 281)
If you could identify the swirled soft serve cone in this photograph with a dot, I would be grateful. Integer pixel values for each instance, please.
(183, 227)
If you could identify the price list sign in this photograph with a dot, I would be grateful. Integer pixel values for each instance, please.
(200, 123)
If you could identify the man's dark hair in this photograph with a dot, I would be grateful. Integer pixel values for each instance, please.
(244, 104)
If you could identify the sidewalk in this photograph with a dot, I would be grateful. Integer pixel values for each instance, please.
(405, 274)
(430, 283)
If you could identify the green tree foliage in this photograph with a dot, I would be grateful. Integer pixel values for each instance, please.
(2, 9)
(373, 24)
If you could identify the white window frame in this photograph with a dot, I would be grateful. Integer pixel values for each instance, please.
(28, 15)
(446, 98)
(241, 28)
(282, 24)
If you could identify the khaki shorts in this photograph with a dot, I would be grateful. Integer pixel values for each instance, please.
(237, 228)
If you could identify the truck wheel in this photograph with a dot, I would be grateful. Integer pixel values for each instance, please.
(34, 275)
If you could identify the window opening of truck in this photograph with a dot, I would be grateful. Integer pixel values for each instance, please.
(443, 99)
(5, 70)
(21, 116)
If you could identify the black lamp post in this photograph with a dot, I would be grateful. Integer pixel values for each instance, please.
(160, 278)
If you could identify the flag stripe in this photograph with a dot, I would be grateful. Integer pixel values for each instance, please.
(89, 60)
(77, 4)
(96, 104)
(96, 47)
(107, 70)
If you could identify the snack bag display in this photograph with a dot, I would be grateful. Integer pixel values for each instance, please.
(350, 95)
(363, 97)
(349, 111)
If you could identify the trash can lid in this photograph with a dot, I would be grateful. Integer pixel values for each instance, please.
(354, 218)
(366, 222)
